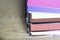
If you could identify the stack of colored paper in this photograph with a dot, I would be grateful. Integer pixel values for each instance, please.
(43, 17)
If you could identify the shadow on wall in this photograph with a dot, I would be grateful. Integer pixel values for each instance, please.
(1, 38)
(22, 6)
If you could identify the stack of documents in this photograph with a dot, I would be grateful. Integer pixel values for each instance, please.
(43, 17)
